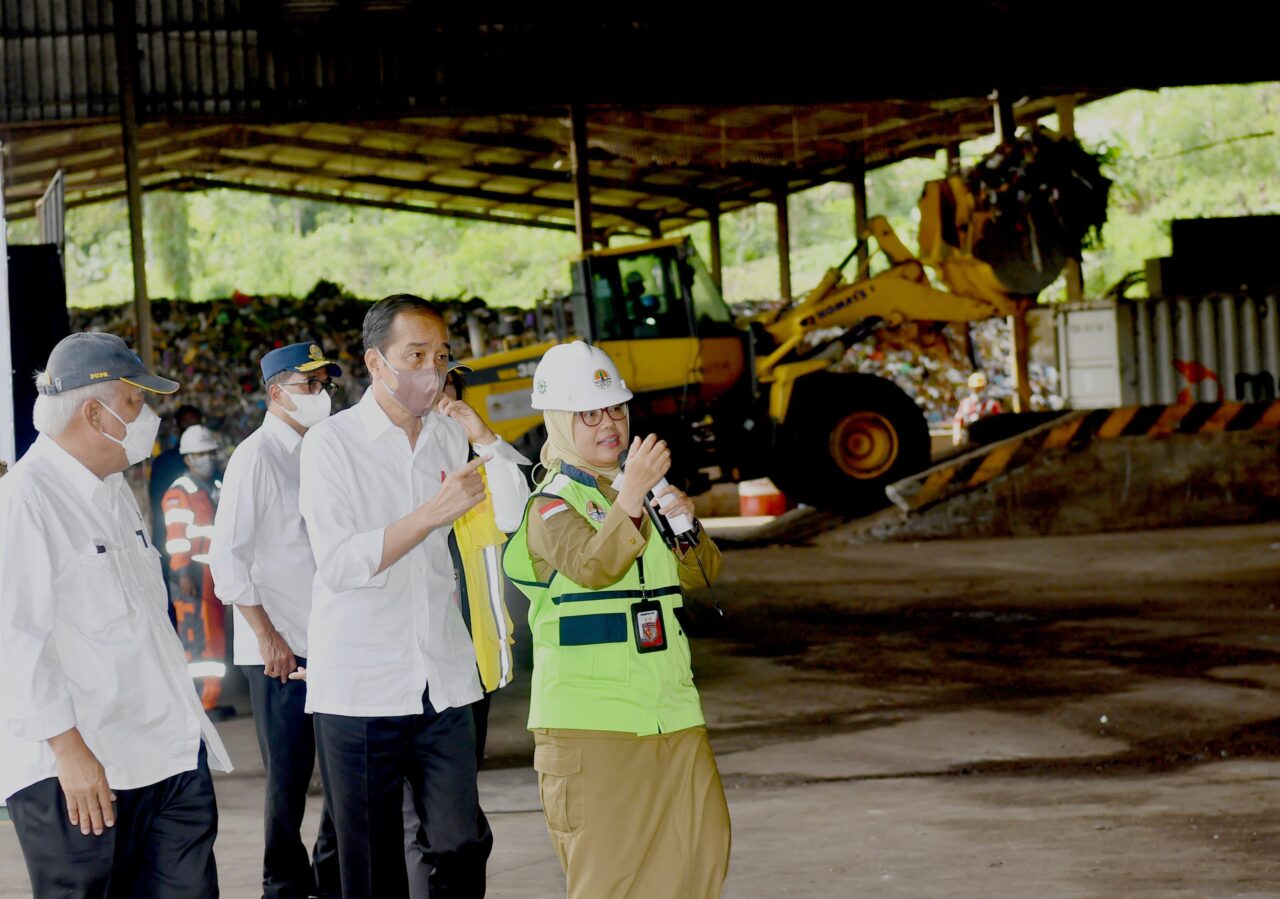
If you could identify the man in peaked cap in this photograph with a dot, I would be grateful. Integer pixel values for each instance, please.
(263, 568)
(104, 747)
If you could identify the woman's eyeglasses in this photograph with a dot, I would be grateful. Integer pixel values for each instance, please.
(314, 386)
(595, 416)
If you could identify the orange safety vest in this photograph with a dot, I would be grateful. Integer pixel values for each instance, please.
(188, 519)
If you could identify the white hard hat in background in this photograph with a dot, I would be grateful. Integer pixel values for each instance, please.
(577, 377)
(197, 439)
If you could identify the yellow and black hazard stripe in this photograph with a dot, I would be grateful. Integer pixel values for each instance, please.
(1193, 418)
(1074, 432)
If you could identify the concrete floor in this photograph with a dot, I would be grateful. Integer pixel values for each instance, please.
(1056, 717)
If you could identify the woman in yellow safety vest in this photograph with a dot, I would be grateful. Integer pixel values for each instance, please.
(629, 784)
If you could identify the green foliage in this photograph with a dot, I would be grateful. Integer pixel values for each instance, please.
(1175, 153)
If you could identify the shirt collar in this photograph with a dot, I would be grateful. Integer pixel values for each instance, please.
(376, 422)
(86, 483)
(283, 432)
(573, 473)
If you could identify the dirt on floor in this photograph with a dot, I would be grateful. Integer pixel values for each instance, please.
(1074, 716)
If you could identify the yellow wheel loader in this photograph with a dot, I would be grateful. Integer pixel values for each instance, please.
(761, 399)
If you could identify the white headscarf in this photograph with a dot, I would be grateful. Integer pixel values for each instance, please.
(561, 448)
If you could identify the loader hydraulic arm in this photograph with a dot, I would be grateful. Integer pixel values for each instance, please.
(903, 293)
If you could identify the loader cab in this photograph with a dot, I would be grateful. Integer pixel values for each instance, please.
(655, 290)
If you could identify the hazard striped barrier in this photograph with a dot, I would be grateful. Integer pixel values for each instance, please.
(1071, 433)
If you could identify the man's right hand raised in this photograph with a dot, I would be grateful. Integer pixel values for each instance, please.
(84, 783)
(460, 491)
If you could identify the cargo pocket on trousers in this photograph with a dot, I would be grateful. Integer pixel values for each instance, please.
(559, 787)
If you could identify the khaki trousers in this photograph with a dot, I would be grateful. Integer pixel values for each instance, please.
(637, 817)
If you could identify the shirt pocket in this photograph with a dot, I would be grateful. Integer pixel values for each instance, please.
(560, 787)
(101, 604)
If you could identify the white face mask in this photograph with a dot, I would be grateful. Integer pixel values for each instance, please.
(201, 466)
(311, 408)
(139, 434)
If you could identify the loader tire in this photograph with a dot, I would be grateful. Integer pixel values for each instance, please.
(845, 438)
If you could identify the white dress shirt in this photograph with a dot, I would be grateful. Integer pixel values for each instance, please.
(260, 554)
(85, 638)
(376, 640)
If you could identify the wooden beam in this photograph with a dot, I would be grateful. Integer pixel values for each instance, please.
(713, 222)
(193, 183)
(951, 156)
(1066, 107)
(858, 171)
(1006, 122)
(201, 183)
(640, 217)
(1020, 338)
(688, 195)
(29, 210)
(784, 245)
(114, 174)
(581, 167)
(126, 47)
(152, 138)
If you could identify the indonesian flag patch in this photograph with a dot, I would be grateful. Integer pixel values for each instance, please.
(553, 508)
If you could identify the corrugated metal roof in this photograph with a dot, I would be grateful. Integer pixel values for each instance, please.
(396, 103)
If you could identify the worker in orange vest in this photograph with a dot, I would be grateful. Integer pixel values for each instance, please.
(189, 506)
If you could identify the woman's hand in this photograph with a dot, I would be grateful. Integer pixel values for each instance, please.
(648, 462)
(672, 501)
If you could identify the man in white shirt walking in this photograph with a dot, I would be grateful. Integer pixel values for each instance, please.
(104, 747)
(392, 668)
(262, 567)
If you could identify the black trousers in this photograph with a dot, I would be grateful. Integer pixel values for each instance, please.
(160, 848)
(365, 762)
(417, 858)
(286, 738)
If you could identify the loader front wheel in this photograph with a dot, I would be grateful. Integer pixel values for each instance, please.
(845, 438)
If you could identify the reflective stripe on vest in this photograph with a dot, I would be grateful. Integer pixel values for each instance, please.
(587, 673)
(476, 541)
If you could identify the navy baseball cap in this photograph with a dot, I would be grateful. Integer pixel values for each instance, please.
(299, 357)
(91, 357)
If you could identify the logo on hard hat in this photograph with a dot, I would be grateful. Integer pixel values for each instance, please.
(542, 385)
(602, 379)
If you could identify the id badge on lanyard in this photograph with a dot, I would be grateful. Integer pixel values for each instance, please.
(648, 626)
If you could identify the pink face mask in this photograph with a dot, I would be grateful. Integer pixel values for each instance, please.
(418, 388)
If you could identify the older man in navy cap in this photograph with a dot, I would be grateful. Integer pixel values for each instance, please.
(262, 566)
(104, 747)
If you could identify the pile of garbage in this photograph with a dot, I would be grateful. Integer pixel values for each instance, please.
(1039, 199)
(937, 381)
(931, 364)
(213, 347)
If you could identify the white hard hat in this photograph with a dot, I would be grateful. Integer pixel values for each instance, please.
(577, 377)
(197, 439)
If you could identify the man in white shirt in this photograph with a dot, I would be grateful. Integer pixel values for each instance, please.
(262, 567)
(104, 746)
(392, 668)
